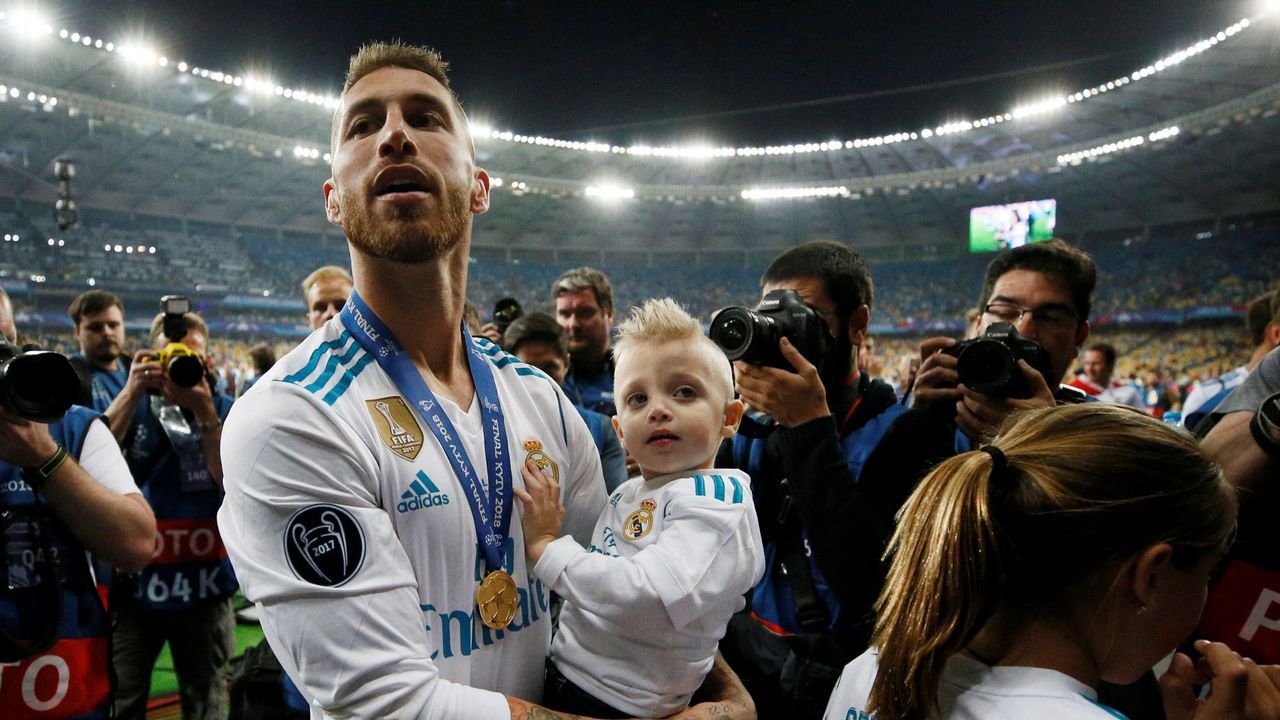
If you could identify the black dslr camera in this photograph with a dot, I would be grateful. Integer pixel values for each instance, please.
(506, 311)
(989, 363)
(183, 365)
(35, 384)
(752, 334)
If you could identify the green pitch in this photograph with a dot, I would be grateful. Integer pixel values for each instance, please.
(982, 238)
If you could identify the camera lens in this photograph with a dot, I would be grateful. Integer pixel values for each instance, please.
(734, 333)
(38, 386)
(186, 370)
(733, 330)
(986, 366)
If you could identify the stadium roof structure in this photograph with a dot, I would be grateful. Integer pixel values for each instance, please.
(1188, 137)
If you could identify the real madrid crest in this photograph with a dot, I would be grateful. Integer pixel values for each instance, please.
(396, 425)
(640, 522)
(534, 453)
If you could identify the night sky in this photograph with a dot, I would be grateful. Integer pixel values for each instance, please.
(580, 70)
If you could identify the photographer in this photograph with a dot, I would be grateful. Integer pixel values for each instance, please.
(811, 430)
(64, 490)
(1044, 291)
(183, 597)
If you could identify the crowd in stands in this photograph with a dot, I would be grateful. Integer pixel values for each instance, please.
(1150, 291)
(1156, 279)
(856, 519)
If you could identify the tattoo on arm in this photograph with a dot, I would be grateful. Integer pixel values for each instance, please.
(524, 710)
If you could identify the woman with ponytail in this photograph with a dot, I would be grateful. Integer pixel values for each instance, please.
(1076, 548)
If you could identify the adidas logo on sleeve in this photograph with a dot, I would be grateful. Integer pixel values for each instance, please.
(421, 495)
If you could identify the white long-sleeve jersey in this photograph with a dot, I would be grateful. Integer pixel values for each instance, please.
(646, 605)
(970, 690)
(346, 525)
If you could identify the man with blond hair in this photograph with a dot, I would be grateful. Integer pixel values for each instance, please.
(369, 508)
(325, 291)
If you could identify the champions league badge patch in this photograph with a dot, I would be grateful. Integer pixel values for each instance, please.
(396, 425)
(324, 545)
(640, 522)
(533, 452)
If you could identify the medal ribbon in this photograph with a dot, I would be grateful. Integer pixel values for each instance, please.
(491, 511)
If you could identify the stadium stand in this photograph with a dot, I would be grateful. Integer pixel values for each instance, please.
(203, 183)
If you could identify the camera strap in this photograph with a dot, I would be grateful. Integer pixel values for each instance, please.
(811, 612)
(194, 472)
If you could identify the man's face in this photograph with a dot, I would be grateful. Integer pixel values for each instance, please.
(325, 299)
(101, 335)
(404, 183)
(1034, 290)
(587, 325)
(1095, 367)
(544, 356)
(671, 414)
(194, 339)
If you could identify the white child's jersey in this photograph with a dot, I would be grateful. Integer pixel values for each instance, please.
(346, 524)
(971, 690)
(645, 607)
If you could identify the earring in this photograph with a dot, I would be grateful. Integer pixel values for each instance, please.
(1142, 609)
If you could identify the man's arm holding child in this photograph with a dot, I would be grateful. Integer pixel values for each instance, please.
(722, 697)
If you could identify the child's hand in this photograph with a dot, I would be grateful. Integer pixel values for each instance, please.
(543, 513)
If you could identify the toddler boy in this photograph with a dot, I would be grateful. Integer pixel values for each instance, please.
(675, 548)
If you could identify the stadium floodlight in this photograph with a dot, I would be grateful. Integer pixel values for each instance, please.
(609, 192)
(136, 53)
(28, 23)
(794, 193)
(1037, 108)
(264, 85)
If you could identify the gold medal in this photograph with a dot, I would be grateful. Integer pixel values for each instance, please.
(496, 598)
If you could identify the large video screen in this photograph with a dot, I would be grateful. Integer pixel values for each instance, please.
(1000, 227)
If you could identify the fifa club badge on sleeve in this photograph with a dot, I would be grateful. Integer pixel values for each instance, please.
(496, 598)
(534, 452)
(396, 425)
(640, 522)
(324, 545)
